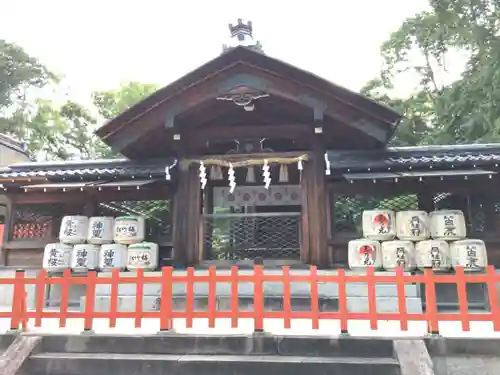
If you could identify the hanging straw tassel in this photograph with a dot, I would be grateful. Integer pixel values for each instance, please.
(219, 175)
(283, 173)
(250, 175)
(213, 173)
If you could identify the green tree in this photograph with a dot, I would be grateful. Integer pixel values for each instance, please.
(18, 73)
(111, 103)
(461, 111)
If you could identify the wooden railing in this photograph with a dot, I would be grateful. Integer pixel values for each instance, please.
(20, 314)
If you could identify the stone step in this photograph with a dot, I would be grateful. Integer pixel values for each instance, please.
(384, 305)
(261, 344)
(5, 341)
(152, 364)
(354, 304)
(325, 290)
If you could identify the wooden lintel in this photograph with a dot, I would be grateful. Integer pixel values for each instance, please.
(84, 196)
(285, 131)
(413, 186)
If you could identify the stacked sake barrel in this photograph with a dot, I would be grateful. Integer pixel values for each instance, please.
(129, 235)
(103, 243)
(415, 239)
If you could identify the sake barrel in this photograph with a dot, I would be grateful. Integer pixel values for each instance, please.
(100, 230)
(85, 257)
(129, 229)
(364, 253)
(57, 257)
(471, 254)
(412, 225)
(448, 224)
(398, 254)
(379, 225)
(73, 229)
(433, 254)
(112, 256)
(143, 255)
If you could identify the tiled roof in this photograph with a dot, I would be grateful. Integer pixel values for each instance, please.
(87, 169)
(405, 157)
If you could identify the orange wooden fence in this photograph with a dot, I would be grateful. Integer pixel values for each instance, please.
(20, 314)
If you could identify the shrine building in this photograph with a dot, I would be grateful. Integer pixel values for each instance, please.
(249, 159)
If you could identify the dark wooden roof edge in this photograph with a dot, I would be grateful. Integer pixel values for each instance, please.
(13, 144)
(446, 156)
(87, 164)
(238, 54)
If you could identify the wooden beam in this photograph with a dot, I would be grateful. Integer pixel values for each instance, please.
(186, 217)
(92, 195)
(285, 131)
(314, 212)
(414, 186)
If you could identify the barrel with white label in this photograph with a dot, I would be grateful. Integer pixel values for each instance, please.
(73, 229)
(364, 253)
(433, 254)
(112, 256)
(129, 229)
(143, 255)
(379, 225)
(85, 257)
(101, 230)
(412, 225)
(471, 254)
(57, 257)
(448, 225)
(398, 254)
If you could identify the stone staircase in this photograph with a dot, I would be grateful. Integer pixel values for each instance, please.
(328, 294)
(218, 355)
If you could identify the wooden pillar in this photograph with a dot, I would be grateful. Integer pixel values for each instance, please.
(186, 217)
(314, 212)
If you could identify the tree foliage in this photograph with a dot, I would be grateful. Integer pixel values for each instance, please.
(437, 111)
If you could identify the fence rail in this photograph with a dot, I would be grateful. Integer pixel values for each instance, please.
(20, 314)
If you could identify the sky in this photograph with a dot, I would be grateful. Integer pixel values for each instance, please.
(99, 44)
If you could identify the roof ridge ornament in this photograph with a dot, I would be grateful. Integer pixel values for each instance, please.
(242, 35)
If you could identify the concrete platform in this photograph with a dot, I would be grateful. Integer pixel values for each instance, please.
(186, 355)
(354, 304)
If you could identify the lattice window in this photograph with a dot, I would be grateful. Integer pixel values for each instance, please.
(248, 236)
(348, 210)
(34, 221)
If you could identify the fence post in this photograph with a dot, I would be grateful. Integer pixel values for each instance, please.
(18, 301)
(493, 297)
(166, 300)
(89, 302)
(372, 297)
(431, 303)
(343, 303)
(462, 298)
(258, 298)
(287, 300)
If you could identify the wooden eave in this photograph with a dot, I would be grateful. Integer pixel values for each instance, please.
(287, 81)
